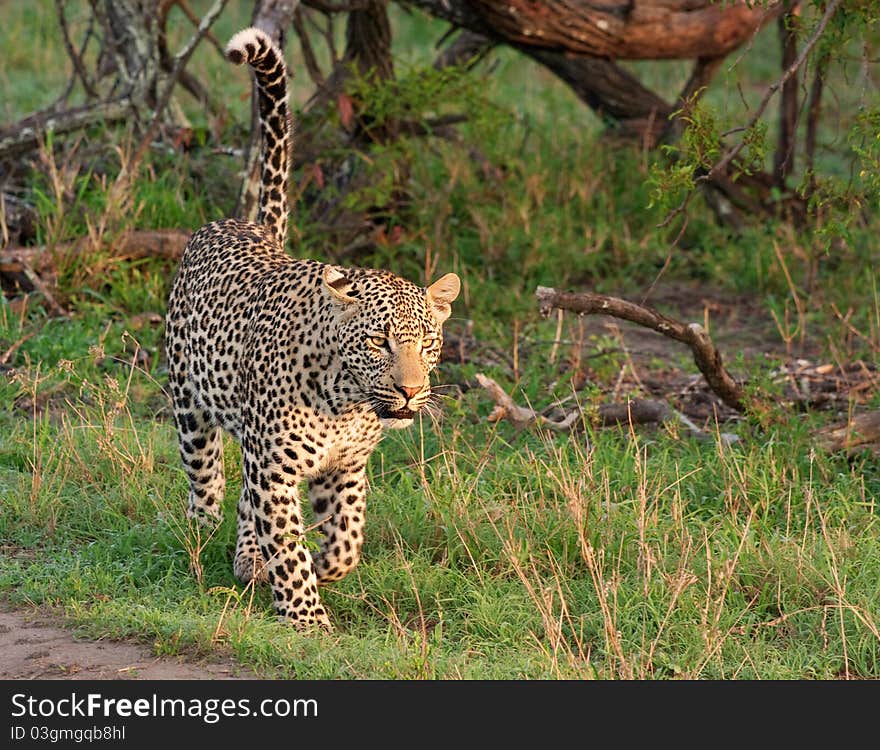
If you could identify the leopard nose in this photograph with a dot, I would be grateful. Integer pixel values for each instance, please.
(410, 391)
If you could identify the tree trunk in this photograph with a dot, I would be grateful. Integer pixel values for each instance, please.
(579, 42)
(616, 30)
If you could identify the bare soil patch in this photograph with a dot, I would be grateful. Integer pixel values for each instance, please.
(34, 647)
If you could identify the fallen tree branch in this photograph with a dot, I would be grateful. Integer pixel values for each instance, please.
(633, 411)
(519, 416)
(706, 356)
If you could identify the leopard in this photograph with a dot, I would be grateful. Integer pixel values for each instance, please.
(304, 363)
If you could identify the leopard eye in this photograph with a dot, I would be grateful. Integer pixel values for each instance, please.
(379, 342)
(429, 342)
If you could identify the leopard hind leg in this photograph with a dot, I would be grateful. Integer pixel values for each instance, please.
(248, 564)
(200, 440)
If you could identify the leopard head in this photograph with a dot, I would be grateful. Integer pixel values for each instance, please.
(390, 333)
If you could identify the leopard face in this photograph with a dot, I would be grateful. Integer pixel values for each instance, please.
(390, 337)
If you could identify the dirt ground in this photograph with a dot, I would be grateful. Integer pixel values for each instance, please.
(34, 647)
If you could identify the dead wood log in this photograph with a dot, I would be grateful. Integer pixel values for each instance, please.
(861, 431)
(130, 245)
(706, 356)
(27, 133)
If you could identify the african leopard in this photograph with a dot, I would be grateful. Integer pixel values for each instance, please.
(304, 363)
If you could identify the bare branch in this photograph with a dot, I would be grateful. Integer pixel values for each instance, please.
(724, 162)
(309, 57)
(194, 20)
(706, 356)
(180, 61)
(75, 57)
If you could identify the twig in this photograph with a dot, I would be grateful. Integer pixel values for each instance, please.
(189, 82)
(37, 283)
(729, 155)
(308, 52)
(75, 57)
(7, 355)
(194, 20)
(706, 356)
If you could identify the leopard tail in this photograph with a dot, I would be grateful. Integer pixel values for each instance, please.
(254, 47)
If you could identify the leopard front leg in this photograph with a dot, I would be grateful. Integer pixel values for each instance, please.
(278, 525)
(339, 501)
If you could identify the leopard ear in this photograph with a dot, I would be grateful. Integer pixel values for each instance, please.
(339, 285)
(441, 294)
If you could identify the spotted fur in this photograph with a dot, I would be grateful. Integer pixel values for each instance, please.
(304, 363)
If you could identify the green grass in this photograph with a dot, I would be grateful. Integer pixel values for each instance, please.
(490, 553)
